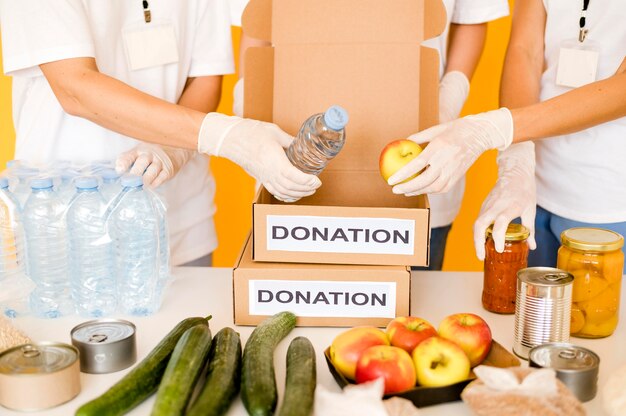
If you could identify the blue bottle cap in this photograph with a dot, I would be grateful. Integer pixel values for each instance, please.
(41, 183)
(68, 174)
(24, 172)
(132, 181)
(4, 183)
(109, 174)
(12, 163)
(86, 182)
(336, 117)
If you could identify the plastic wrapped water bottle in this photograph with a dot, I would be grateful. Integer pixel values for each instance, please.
(14, 285)
(110, 184)
(66, 187)
(21, 187)
(136, 225)
(320, 139)
(46, 247)
(90, 247)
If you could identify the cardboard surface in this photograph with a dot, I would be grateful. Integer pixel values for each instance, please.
(311, 277)
(325, 52)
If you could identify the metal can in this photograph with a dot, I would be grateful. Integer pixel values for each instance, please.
(542, 308)
(38, 376)
(575, 366)
(105, 345)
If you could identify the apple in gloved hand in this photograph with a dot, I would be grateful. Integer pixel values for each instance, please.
(470, 332)
(393, 364)
(397, 154)
(348, 346)
(439, 362)
(407, 332)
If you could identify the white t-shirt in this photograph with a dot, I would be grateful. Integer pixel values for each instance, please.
(582, 176)
(444, 207)
(40, 31)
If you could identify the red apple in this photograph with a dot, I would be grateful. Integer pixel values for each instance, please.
(348, 346)
(391, 363)
(407, 332)
(397, 154)
(470, 332)
(439, 362)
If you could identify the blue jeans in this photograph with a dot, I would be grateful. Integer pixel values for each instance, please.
(438, 238)
(548, 229)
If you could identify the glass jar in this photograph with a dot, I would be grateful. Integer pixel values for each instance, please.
(595, 258)
(501, 269)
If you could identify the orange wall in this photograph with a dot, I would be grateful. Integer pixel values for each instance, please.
(235, 189)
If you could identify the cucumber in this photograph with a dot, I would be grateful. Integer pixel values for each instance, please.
(223, 374)
(182, 372)
(258, 384)
(141, 381)
(301, 379)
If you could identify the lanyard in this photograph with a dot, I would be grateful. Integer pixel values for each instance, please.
(147, 16)
(583, 32)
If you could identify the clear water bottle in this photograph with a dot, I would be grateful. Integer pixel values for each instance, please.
(14, 285)
(320, 139)
(21, 187)
(91, 257)
(110, 184)
(65, 186)
(46, 248)
(135, 225)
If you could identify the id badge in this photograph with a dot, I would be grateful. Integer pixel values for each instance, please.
(150, 45)
(578, 63)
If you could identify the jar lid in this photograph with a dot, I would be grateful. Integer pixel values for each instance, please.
(514, 232)
(545, 276)
(592, 239)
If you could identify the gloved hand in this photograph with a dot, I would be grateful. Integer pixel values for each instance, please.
(453, 148)
(238, 98)
(513, 195)
(453, 90)
(157, 164)
(259, 148)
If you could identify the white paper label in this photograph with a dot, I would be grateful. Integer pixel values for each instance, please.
(150, 45)
(577, 67)
(340, 234)
(323, 299)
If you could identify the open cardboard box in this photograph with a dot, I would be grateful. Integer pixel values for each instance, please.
(364, 55)
(319, 294)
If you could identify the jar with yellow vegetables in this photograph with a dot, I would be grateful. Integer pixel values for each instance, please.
(594, 256)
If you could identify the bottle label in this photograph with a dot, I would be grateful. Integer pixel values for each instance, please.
(315, 298)
(340, 234)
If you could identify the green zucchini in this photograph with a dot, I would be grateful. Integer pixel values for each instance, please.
(182, 372)
(301, 379)
(258, 384)
(223, 374)
(141, 381)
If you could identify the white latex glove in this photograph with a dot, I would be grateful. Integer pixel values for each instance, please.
(238, 98)
(453, 149)
(513, 195)
(453, 90)
(259, 148)
(157, 164)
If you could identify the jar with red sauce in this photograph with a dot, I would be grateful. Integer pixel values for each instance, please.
(500, 280)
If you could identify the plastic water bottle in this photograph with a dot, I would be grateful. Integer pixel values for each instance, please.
(320, 139)
(23, 175)
(110, 184)
(136, 227)
(46, 243)
(66, 187)
(90, 247)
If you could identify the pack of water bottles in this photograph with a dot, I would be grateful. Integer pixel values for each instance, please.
(80, 239)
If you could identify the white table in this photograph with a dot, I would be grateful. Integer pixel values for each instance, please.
(205, 291)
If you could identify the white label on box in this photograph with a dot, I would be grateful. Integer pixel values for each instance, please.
(340, 234)
(323, 299)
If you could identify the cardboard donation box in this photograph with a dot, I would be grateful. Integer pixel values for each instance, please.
(338, 257)
(364, 55)
(319, 295)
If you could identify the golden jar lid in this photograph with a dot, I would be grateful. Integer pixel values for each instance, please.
(592, 239)
(514, 232)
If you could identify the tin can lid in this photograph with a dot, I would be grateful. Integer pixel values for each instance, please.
(545, 276)
(40, 358)
(102, 331)
(592, 239)
(514, 232)
(564, 356)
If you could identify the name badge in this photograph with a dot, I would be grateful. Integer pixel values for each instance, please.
(150, 45)
(578, 63)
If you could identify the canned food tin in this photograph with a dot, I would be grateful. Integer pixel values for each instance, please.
(542, 308)
(38, 376)
(575, 366)
(105, 345)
